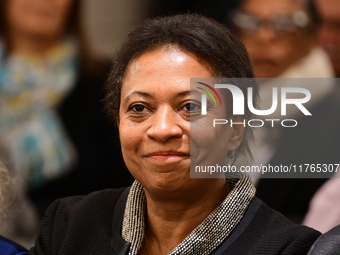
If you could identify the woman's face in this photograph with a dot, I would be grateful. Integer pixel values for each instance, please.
(38, 18)
(154, 122)
(273, 51)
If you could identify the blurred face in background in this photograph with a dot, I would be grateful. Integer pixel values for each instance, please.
(274, 33)
(40, 19)
(329, 11)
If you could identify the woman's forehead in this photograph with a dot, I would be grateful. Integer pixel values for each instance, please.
(163, 67)
(268, 8)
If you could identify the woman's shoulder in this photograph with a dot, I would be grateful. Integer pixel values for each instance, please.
(275, 224)
(269, 232)
(79, 220)
(103, 200)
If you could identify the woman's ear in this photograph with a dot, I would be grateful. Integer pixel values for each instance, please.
(237, 131)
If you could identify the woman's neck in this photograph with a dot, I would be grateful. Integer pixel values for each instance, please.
(169, 222)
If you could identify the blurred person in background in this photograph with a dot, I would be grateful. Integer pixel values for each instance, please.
(18, 217)
(48, 77)
(7, 247)
(329, 37)
(324, 211)
(281, 38)
(324, 208)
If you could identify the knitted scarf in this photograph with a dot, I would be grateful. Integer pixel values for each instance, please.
(207, 236)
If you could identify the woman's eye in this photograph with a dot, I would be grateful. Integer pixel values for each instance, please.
(191, 107)
(138, 108)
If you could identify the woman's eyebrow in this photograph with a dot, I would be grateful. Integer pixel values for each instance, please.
(145, 94)
(140, 93)
(150, 96)
(193, 92)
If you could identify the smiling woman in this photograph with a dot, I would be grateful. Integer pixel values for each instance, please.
(165, 211)
(154, 120)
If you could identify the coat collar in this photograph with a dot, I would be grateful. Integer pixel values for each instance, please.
(118, 244)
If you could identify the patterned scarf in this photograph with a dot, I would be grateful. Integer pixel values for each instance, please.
(30, 130)
(208, 235)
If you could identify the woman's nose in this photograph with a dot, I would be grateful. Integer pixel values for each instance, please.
(165, 125)
(266, 34)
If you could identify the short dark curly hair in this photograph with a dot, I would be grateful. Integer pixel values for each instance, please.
(203, 37)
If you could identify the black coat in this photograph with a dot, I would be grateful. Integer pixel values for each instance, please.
(92, 225)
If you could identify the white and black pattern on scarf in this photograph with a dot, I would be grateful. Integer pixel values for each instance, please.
(133, 222)
(208, 235)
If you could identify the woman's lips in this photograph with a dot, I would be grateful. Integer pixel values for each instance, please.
(167, 155)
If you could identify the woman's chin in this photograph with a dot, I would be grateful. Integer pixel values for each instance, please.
(165, 182)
